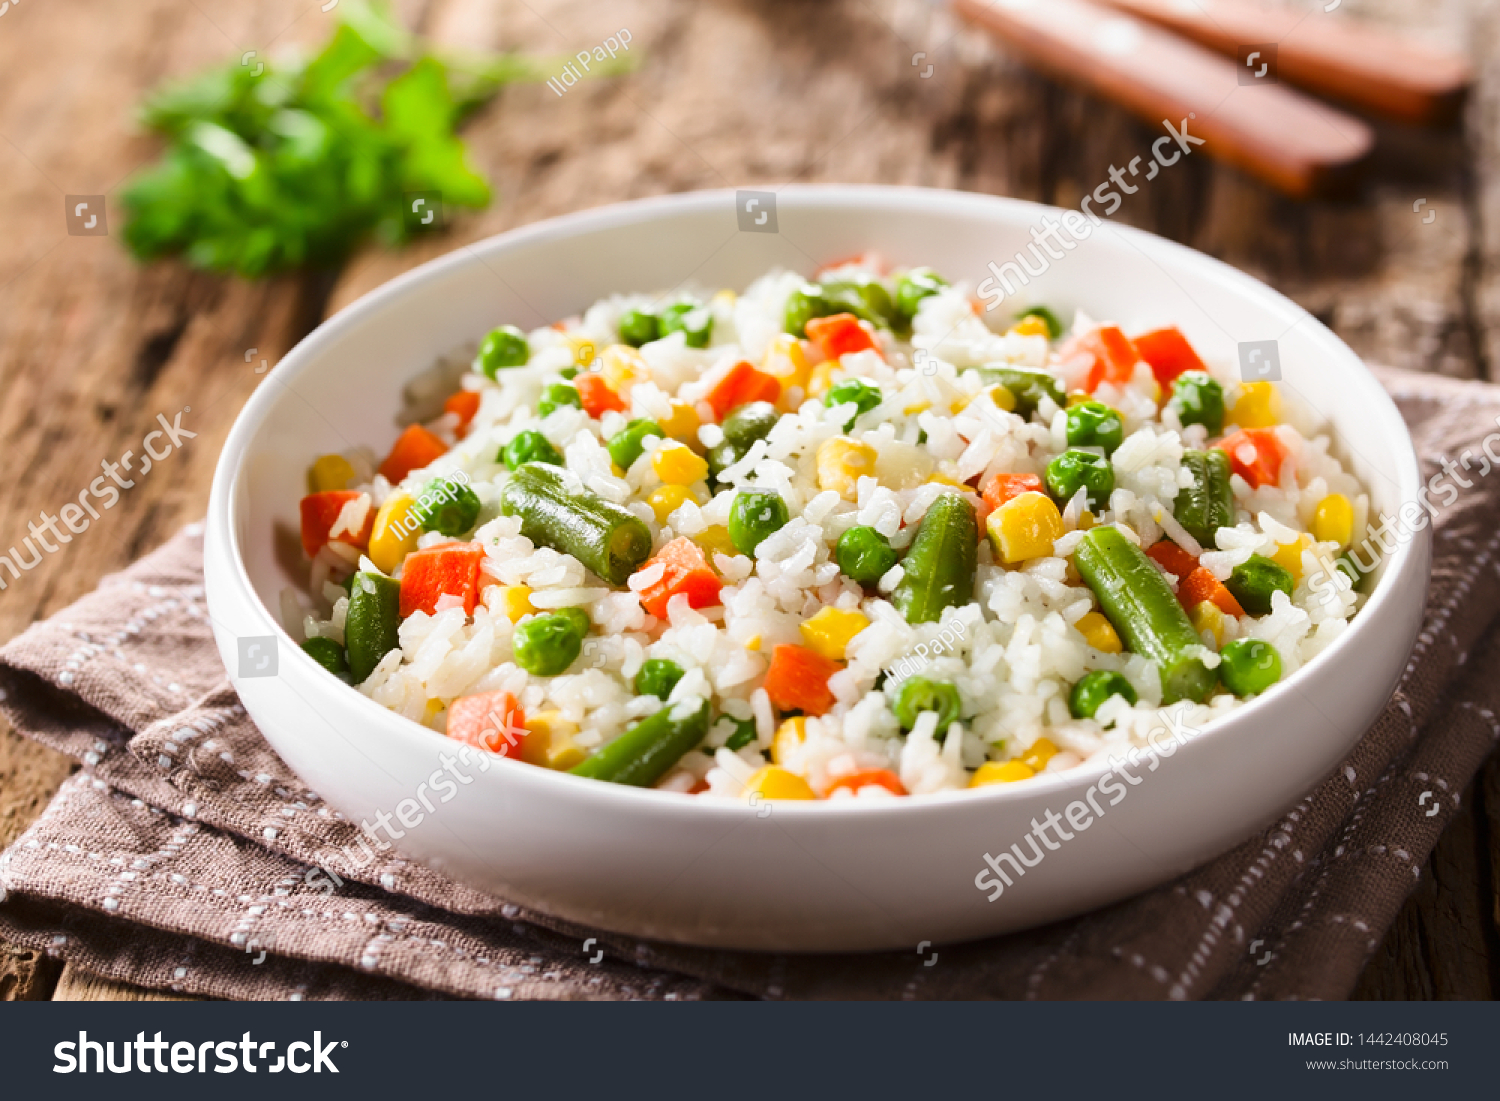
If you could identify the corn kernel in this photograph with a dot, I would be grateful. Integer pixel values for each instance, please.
(752, 643)
(1000, 772)
(1289, 555)
(829, 632)
(432, 708)
(683, 423)
(1030, 325)
(1042, 750)
(1002, 397)
(329, 472)
(942, 479)
(786, 362)
(820, 379)
(1085, 520)
(1024, 527)
(789, 735)
(549, 741)
(1208, 617)
(715, 540)
(842, 462)
(667, 499)
(917, 407)
(777, 783)
(1078, 397)
(675, 464)
(1099, 633)
(395, 532)
(1333, 521)
(585, 351)
(1256, 405)
(622, 367)
(1155, 390)
(515, 602)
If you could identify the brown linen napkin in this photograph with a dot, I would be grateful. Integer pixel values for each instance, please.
(183, 855)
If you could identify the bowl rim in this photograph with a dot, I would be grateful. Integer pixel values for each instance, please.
(227, 483)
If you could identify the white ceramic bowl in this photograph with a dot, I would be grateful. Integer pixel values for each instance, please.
(788, 876)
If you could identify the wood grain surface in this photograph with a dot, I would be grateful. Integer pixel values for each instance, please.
(728, 93)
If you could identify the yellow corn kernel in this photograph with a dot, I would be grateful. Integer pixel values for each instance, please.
(1078, 397)
(1099, 633)
(329, 472)
(585, 351)
(432, 708)
(1256, 405)
(828, 633)
(1024, 527)
(725, 298)
(1289, 556)
(1042, 750)
(820, 379)
(715, 540)
(1085, 520)
(777, 783)
(1208, 617)
(786, 362)
(1000, 772)
(394, 534)
(943, 480)
(918, 407)
(515, 602)
(683, 424)
(622, 367)
(675, 464)
(667, 499)
(549, 741)
(842, 462)
(1002, 398)
(789, 735)
(1030, 325)
(1333, 521)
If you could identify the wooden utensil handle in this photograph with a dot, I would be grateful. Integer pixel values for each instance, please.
(1292, 142)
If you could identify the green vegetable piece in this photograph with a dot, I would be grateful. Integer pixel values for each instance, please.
(638, 327)
(918, 694)
(529, 446)
(863, 395)
(1054, 324)
(327, 653)
(744, 734)
(755, 515)
(643, 754)
(1094, 424)
(447, 507)
(744, 425)
(804, 304)
(501, 348)
(627, 445)
(940, 566)
(545, 645)
(373, 620)
(1253, 582)
(1199, 399)
(863, 296)
(1350, 568)
(692, 319)
(657, 677)
(568, 374)
(1250, 666)
(915, 285)
(1029, 386)
(1094, 688)
(578, 617)
(1135, 598)
(557, 511)
(1208, 504)
(864, 555)
(556, 396)
(1074, 470)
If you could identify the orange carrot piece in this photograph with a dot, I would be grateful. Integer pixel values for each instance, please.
(320, 511)
(798, 679)
(1169, 354)
(742, 384)
(685, 570)
(1256, 455)
(1172, 558)
(596, 396)
(880, 777)
(448, 569)
(463, 405)
(413, 449)
(834, 336)
(1114, 356)
(491, 721)
(1002, 487)
(1201, 585)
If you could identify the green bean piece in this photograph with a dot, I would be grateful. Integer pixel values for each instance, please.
(626, 445)
(545, 645)
(940, 566)
(1252, 582)
(863, 395)
(1199, 399)
(804, 304)
(744, 425)
(1250, 666)
(327, 653)
(1208, 504)
(558, 511)
(744, 734)
(1094, 424)
(1074, 470)
(1135, 598)
(1054, 324)
(1027, 385)
(644, 753)
(863, 296)
(374, 618)
(864, 555)
(755, 515)
(1094, 688)
(690, 318)
(447, 507)
(657, 677)
(915, 285)
(501, 348)
(529, 446)
(918, 694)
(558, 395)
(638, 327)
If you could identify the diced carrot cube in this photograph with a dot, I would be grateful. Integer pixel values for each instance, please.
(1172, 558)
(596, 396)
(1114, 355)
(450, 569)
(463, 405)
(1256, 455)
(798, 679)
(838, 335)
(742, 384)
(685, 569)
(491, 721)
(1169, 354)
(413, 449)
(1201, 585)
(320, 511)
(879, 777)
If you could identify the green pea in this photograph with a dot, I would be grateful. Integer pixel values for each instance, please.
(864, 297)
(556, 396)
(755, 515)
(1094, 424)
(448, 507)
(545, 645)
(327, 653)
(1199, 399)
(626, 445)
(638, 327)
(568, 373)
(1054, 324)
(657, 677)
(804, 304)
(578, 618)
(692, 319)
(1074, 470)
(863, 395)
(1253, 582)
(864, 555)
(1351, 569)
(503, 347)
(1249, 666)
(1094, 688)
(744, 734)
(529, 446)
(915, 285)
(918, 694)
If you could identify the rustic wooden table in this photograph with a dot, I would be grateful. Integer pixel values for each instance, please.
(729, 93)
